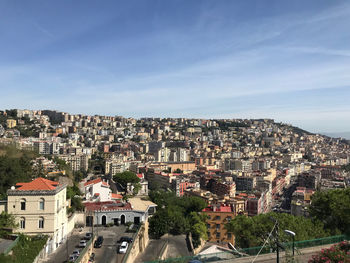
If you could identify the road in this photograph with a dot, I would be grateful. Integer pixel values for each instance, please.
(108, 252)
(62, 253)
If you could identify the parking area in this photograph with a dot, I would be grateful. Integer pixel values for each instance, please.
(109, 250)
(107, 253)
(63, 252)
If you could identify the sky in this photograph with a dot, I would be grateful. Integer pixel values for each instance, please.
(286, 60)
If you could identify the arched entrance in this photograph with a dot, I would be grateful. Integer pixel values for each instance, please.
(104, 219)
(122, 219)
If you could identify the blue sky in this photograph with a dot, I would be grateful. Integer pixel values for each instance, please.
(287, 60)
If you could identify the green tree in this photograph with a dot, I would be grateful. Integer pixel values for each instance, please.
(15, 166)
(252, 231)
(333, 209)
(128, 177)
(180, 214)
(74, 193)
(198, 228)
(136, 189)
(7, 223)
(159, 224)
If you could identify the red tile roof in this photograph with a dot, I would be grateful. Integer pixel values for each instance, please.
(93, 181)
(38, 184)
(107, 206)
(116, 196)
(223, 208)
(140, 176)
(96, 181)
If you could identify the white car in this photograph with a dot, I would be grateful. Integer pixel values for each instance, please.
(123, 247)
(82, 243)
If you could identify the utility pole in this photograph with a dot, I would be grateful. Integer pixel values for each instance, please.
(277, 243)
(276, 238)
(67, 246)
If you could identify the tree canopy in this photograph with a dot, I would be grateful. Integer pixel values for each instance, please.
(333, 209)
(15, 166)
(177, 215)
(252, 231)
(7, 222)
(126, 177)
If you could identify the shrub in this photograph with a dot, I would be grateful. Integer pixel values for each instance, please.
(335, 254)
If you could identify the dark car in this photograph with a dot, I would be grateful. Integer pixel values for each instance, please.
(126, 239)
(98, 242)
(92, 258)
(88, 236)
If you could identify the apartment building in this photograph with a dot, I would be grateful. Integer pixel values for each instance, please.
(218, 216)
(40, 208)
(77, 162)
(11, 123)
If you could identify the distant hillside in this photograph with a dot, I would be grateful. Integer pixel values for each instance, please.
(345, 135)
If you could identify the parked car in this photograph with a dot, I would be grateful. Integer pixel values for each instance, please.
(76, 252)
(88, 236)
(82, 243)
(123, 247)
(92, 258)
(72, 258)
(127, 239)
(98, 242)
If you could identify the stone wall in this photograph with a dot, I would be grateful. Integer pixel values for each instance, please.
(141, 240)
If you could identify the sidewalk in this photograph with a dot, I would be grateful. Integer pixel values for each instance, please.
(302, 255)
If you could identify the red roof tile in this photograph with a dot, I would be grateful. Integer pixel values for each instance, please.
(96, 181)
(116, 196)
(38, 184)
(93, 181)
(107, 206)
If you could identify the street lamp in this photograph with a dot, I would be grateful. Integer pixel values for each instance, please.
(291, 233)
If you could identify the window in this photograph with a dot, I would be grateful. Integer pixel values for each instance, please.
(23, 204)
(22, 223)
(229, 235)
(217, 234)
(41, 222)
(228, 218)
(217, 226)
(217, 218)
(42, 204)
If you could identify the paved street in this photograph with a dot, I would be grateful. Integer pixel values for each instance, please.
(108, 252)
(4, 244)
(62, 253)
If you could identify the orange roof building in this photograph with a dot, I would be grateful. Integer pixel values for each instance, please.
(39, 184)
(40, 208)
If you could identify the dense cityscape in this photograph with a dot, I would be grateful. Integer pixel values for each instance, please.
(133, 182)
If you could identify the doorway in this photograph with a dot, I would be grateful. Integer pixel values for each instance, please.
(104, 219)
(122, 219)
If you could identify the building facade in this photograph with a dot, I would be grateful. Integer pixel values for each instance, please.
(40, 208)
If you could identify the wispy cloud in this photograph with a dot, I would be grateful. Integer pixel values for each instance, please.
(43, 30)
